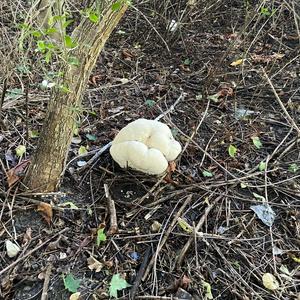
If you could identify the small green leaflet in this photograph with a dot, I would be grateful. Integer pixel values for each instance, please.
(20, 150)
(259, 197)
(91, 137)
(74, 61)
(94, 17)
(68, 41)
(187, 61)
(41, 45)
(150, 102)
(71, 284)
(116, 6)
(185, 225)
(207, 288)
(51, 30)
(70, 204)
(293, 168)
(82, 150)
(232, 151)
(33, 134)
(117, 283)
(101, 236)
(262, 166)
(207, 174)
(256, 142)
(214, 98)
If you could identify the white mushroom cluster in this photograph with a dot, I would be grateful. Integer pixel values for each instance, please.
(146, 146)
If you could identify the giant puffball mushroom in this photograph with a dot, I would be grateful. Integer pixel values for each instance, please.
(146, 146)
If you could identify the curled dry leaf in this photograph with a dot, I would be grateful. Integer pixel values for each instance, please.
(11, 248)
(172, 166)
(270, 282)
(16, 173)
(27, 236)
(46, 210)
(75, 296)
(94, 264)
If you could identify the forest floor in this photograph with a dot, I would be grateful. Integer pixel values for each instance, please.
(224, 218)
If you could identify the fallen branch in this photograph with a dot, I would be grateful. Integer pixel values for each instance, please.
(112, 211)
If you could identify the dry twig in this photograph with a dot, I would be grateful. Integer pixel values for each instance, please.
(46, 282)
(112, 211)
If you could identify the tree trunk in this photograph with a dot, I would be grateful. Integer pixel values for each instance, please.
(48, 163)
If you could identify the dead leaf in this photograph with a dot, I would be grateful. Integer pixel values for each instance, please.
(75, 296)
(127, 55)
(172, 166)
(185, 282)
(55, 244)
(46, 210)
(96, 78)
(94, 264)
(237, 62)
(17, 173)
(27, 236)
(226, 91)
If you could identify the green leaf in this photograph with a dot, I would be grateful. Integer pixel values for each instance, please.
(82, 150)
(214, 98)
(68, 42)
(64, 89)
(150, 103)
(232, 151)
(70, 204)
(36, 33)
(199, 97)
(91, 137)
(48, 56)
(293, 168)
(20, 150)
(73, 60)
(256, 141)
(50, 30)
(207, 174)
(184, 225)
(101, 236)
(67, 23)
(116, 6)
(207, 287)
(265, 11)
(259, 197)
(117, 283)
(94, 17)
(262, 166)
(187, 62)
(33, 134)
(41, 46)
(71, 284)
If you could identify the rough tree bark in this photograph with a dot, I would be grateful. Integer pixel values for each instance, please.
(48, 163)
